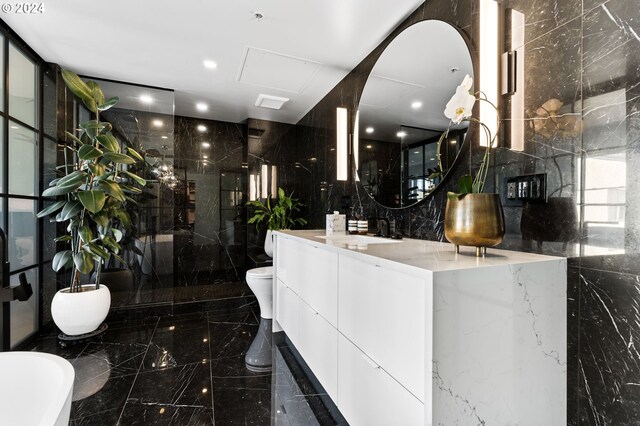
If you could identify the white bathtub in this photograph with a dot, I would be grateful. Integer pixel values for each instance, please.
(35, 389)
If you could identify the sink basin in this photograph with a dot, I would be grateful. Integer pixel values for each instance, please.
(357, 240)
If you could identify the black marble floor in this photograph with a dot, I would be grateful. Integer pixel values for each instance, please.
(189, 370)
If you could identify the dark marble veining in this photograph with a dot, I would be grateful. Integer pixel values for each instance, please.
(189, 369)
(585, 54)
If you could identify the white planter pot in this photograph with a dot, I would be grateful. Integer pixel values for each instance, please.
(268, 244)
(82, 312)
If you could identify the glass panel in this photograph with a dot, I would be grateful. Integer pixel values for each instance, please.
(24, 315)
(49, 104)
(50, 160)
(22, 160)
(3, 186)
(22, 87)
(1, 73)
(22, 233)
(49, 233)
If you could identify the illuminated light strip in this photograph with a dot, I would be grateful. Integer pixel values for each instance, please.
(341, 144)
(489, 54)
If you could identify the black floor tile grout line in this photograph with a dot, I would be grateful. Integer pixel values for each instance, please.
(124, 406)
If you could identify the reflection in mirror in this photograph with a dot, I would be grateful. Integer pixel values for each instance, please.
(400, 116)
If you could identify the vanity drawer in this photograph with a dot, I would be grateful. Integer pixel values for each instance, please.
(288, 312)
(312, 273)
(369, 396)
(312, 335)
(382, 311)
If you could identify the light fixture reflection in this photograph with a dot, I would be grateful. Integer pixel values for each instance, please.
(146, 99)
(201, 106)
(206, 145)
(416, 104)
(157, 123)
(202, 128)
(401, 134)
(341, 144)
(369, 129)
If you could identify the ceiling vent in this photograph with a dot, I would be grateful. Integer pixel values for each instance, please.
(268, 101)
(277, 71)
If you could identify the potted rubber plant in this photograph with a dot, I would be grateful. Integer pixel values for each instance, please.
(93, 189)
(472, 217)
(280, 215)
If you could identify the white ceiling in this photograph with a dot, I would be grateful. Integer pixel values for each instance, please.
(299, 50)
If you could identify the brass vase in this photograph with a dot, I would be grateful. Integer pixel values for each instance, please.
(474, 220)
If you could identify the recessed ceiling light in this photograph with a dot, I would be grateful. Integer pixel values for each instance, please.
(313, 159)
(416, 152)
(15, 127)
(205, 156)
(209, 64)
(368, 146)
(416, 104)
(369, 130)
(201, 106)
(146, 99)
(164, 137)
(202, 128)
(401, 134)
(206, 145)
(452, 141)
(158, 123)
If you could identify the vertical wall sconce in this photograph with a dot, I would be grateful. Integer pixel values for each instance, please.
(341, 144)
(355, 146)
(274, 181)
(489, 57)
(513, 78)
(264, 193)
(253, 193)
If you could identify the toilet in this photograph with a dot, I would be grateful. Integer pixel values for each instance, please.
(260, 281)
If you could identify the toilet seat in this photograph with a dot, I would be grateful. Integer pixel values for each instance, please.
(264, 272)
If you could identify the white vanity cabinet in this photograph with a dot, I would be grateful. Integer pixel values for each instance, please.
(412, 333)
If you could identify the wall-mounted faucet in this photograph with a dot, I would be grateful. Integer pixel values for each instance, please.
(7, 294)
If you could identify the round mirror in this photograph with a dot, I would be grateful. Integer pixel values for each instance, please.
(401, 114)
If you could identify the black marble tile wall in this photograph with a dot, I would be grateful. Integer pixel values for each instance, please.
(584, 56)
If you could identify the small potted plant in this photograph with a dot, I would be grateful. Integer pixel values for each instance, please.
(278, 216)
(472, 217)
(93, 190)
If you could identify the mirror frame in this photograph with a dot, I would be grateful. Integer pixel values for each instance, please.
(470, 132)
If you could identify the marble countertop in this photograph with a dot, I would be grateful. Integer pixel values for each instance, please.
(424, 255)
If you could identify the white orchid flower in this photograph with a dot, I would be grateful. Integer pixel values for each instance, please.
(460, 106)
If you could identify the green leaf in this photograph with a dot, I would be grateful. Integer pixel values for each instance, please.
(108, 103)
(92, 200)
(131, 189)
(92, 128)
(101, 218)
(107, 127)
(98, 170)
(83, 261)
(117, 234)
(113, 189)
(72, 178)
(74, 138)
(85, 234)
(280, 193)
(109, 142)
(119, 259)
(97, 250)
(89, 152)
(80, 89)
(62, 259)
(71, 209)
(54, 191)
(132, 152)
(98, 95)
(465, 184)
(124, 218)
(63, 239)
(51, 209)
(118, 158)
(136, 178)
(111, 243)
